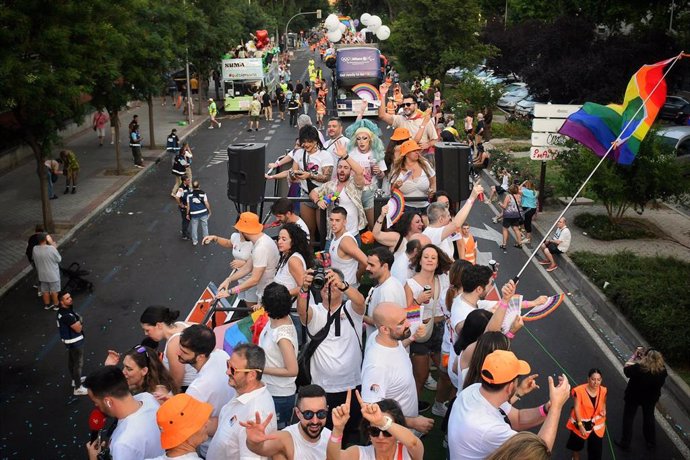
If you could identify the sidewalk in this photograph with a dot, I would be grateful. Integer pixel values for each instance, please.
(97, 185)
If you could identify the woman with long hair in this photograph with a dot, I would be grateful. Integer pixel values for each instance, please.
(144, 371)
(454, 291)
(529, 207)
(159, 324)
(587, 421)
(396, 238)
(428, 288)
(383, 426)
(392, 152)
(414, 176)
(296, 256)
(524, 445)
(278, 339)
(367, 150)
(511, 216)
(647, 373)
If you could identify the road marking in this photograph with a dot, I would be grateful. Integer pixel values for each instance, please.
(487, 233)
(107, 278)
(219, 156)
(167, 207)
(268, 138)
(134, 247)
(152, 226)
(271, 131)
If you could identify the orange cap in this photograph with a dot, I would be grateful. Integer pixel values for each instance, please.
(400, 134)
(249, 224)
(502, 366)
(409, 146)
(180, 417)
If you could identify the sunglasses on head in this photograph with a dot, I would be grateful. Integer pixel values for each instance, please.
(234, 370)
(321, 414)
(142, 351)
(408, 104)
(376, 432)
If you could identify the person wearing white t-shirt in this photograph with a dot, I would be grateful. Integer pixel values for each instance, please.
(482, 418)
(387, 289)
(558, 244)
(334, 130)
(400, 269)
(244, 370)
(197, 348)
(336, 363)
(442, 229)
(242, 258)
(282, 210)
(387, 369)
(344, 250)
(136, 435)
(265, 256)
(305, 440)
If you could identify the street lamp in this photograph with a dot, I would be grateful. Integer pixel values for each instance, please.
(318, 16)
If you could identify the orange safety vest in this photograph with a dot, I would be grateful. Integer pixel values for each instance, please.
(588, 413)
(470, 247)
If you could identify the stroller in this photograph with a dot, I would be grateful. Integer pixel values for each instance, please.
(75, 280)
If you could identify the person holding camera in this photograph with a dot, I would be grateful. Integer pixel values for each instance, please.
(337, 322)
(647, 373)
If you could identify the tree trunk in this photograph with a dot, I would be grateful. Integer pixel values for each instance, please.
(152, 142)
(48, 223)
(115, 122)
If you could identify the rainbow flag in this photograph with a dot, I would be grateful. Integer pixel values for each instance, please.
(599, 126)
(231, 334)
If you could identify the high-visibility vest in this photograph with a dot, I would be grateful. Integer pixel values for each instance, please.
(470, 247)
(588, 412)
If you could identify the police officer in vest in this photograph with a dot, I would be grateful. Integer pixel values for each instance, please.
(135, 144)
(70, 325)
(179, 170)
(173, 142)
(198, 210)
(181, 194)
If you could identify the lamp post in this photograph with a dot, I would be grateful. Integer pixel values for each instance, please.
(318, 16)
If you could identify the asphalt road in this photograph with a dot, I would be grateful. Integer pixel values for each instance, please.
(137, 259)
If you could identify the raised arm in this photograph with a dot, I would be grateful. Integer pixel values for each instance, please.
(386, 238)
(388, 118)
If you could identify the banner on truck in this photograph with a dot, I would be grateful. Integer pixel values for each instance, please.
(243, 69)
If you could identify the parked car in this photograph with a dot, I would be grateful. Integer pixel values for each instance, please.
(509, 88)
(509, 100)
(683, 116)
(678, 138)
(671, 107)
(525, 107)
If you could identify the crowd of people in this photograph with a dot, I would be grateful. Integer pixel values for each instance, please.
(338, 370)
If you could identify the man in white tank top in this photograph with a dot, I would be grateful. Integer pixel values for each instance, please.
(344, 251)
(305, 440)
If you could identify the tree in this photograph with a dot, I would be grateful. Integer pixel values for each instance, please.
(432, 36)
(44, 74)
(654, 175)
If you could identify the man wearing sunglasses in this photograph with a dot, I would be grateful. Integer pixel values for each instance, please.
(414, 120)
(305, 440)
(244, 370)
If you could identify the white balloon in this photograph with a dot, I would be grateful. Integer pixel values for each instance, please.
(383, 33)
(331, 22)
(374, 23)
(364, 19)
(365, 30)
(334, 36)
(342, 27)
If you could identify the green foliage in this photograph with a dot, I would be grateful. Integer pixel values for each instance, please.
(649, 291)
(432, 36)
(516, 129)
(470, 93)
(600, 227)
(654, 175)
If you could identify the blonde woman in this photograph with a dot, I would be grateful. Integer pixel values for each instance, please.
(413, 176)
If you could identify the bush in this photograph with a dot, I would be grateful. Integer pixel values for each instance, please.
(600, 227)
(648, 291)
(518, 129)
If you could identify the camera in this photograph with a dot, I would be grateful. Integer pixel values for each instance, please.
(319, 280)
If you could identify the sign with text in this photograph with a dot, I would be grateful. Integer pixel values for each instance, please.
(543, 153)
(547, 125)
(555, 110)
(243, 69)
(548, 139)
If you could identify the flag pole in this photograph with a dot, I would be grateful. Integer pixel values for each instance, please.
(591, 174)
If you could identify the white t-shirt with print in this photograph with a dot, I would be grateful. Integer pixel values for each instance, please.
(330, 146)
(317, 161)
(365, 161)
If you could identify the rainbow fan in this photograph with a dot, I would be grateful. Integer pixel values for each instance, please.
(545, 309)
(511, 313)
(396, 207)
(366, 92)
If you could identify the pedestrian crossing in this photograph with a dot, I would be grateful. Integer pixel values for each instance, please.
(221, 156)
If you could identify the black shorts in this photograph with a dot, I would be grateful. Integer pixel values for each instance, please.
(576, 443)
(553, 248)
(510, 222)
(433, 345)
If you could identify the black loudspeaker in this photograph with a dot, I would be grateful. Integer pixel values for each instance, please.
(453, 170)
(246, 182)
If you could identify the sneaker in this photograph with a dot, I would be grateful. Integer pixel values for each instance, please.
(430, 383)
(82, 380)
(194, 243)
(210, 127)
(139, 166)
(423, 406)
(55, 308)
(249, 130)
(219, 125)
(494, 220)
(550, 269)
(439, 409)
(185, 238)
(48, 307)
(81, 391)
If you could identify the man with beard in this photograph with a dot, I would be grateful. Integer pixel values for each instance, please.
(334, 129)
(387, 369)
(305, 440)
(421, 128)
(197, 348)
(482, 418)
(252, 399)
(387, 289)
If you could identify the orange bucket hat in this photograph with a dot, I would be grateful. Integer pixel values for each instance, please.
(400, 134)
(249, 223)
(409, 146)
(180, 417)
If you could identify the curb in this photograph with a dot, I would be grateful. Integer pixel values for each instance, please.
(114, 196)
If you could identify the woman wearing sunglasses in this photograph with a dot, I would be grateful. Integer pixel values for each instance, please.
(414, 176)
(144, 371)
(384, 424)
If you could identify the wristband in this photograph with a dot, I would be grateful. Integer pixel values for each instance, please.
(503, 304)
(345, 158)
(510, 335)
(346, 287)
(302, 294)
(235, 290)
(542, 410)
(470, 200)
(336, 439)
(517, 395)
(387, 424)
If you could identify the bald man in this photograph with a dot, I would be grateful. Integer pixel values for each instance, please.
(387, 369)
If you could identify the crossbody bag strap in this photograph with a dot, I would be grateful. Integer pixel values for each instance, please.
(517, 206)
(352, 323)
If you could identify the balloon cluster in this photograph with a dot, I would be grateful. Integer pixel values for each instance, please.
(373, 24)
(261, 40)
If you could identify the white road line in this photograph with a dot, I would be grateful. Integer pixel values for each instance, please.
(268, 138)
(271, 131)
